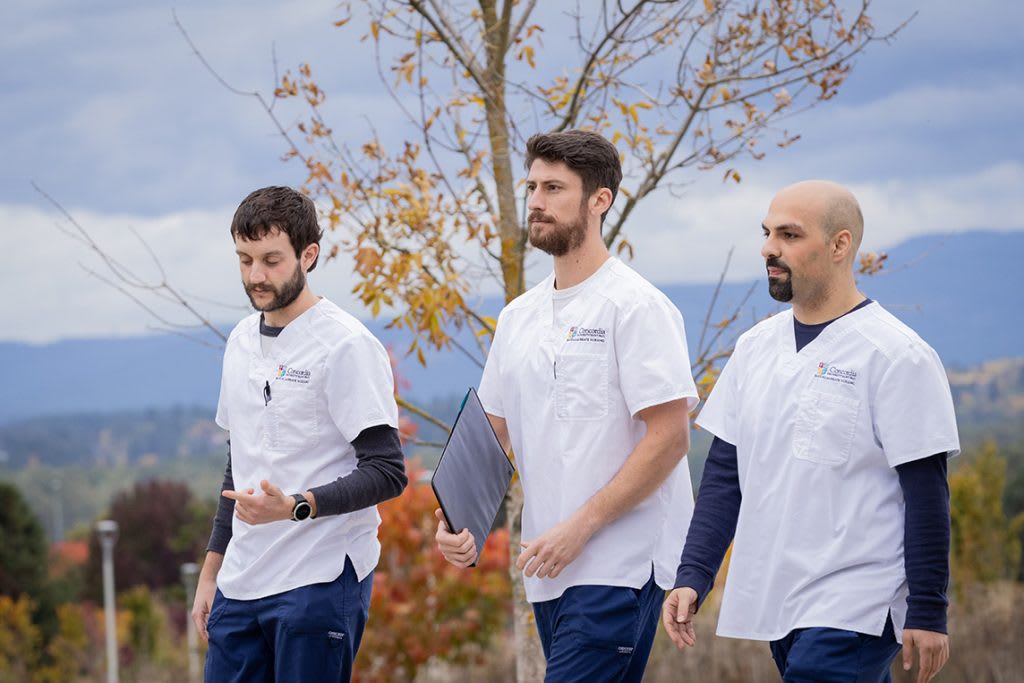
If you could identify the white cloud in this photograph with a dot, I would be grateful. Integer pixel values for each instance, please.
(49, 295)
(688, 239)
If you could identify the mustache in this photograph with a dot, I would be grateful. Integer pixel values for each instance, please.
(540, 216)
(258, 288)
(774, 262)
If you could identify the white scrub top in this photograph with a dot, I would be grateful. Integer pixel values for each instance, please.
(329, 380)
(819, 540)
(569, 370)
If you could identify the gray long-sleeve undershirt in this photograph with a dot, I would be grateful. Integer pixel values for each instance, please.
(379, 476)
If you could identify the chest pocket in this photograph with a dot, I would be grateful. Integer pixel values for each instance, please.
(825, 427)
(581, 387)
(292, 424)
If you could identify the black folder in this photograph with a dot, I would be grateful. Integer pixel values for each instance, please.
(473, 474)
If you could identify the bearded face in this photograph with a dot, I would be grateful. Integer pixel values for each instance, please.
(556, 237)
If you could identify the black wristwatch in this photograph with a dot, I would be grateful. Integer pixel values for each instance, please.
(302, 509)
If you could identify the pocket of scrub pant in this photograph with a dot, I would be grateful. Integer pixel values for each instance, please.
(217, 609)
(825, 428)
(581, 387)
(293, 421)
(610, 622)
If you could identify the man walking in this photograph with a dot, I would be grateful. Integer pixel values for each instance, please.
(832, 423)
(588, 380)
(307, 396)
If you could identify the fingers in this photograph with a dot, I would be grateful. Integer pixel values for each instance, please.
(200, 613)
(931, 659)
(199, 619)
(676, 619)
(460, 548)
(541, 559)
(541, 565)
(923, 675)
(529, 551)
(685, 610)
(668, 621)
(908, 650)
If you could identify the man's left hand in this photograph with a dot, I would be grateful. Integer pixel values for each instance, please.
(551, 552)
(270, 506)
(932, 652)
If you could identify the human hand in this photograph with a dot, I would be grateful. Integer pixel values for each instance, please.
(677, 616)
(551, 552)
(272, 505)
(932, 652)
(460, 548)
(205, 590)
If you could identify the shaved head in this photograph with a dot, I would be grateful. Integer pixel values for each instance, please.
(833, 205)
(812, 233)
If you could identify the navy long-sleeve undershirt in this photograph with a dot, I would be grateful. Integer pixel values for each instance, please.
(926, 532)
(926, 523)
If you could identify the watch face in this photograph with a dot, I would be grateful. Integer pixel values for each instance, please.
(302, 508)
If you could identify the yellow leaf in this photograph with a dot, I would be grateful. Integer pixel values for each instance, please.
(528, 52)
(375, 29)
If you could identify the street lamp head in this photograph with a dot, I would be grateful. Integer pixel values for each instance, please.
(107, 530)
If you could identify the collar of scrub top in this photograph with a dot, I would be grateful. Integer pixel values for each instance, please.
(793, 359)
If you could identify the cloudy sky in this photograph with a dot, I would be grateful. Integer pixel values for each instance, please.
(106, 108)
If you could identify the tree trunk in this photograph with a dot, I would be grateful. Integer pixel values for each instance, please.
(529, 655)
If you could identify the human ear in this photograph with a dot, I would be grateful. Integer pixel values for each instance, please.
(601, 200)
(309, 255)
(841, 244)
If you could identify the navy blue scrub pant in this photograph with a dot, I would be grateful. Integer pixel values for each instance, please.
(599, 634)
(831, 655)
(308, 634)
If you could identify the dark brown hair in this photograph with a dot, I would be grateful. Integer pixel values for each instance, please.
(278, 208)
(589, 155)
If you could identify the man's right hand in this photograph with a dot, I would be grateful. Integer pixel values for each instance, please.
(460, 548)
(206, 588)
(677, 616)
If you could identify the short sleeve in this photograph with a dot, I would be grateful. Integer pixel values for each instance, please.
(222, 408)
(653, 359)
(912, 408)
(718, 415)
(222, 418)
(490, 382)
(360, 386)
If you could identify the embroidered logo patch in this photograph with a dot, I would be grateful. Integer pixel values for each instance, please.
(586, 334)
(287, 374)
(835, 374)
(335, 635)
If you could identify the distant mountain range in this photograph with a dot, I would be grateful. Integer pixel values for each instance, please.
(955, 290)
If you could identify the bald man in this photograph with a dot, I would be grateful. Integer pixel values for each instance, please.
(832, 424)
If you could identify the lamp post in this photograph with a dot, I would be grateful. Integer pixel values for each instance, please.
(189, 570)
(107, 531)
(56, 486)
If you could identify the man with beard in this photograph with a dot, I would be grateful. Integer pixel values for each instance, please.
(832, 423)
(307, 396)
(588, 380)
